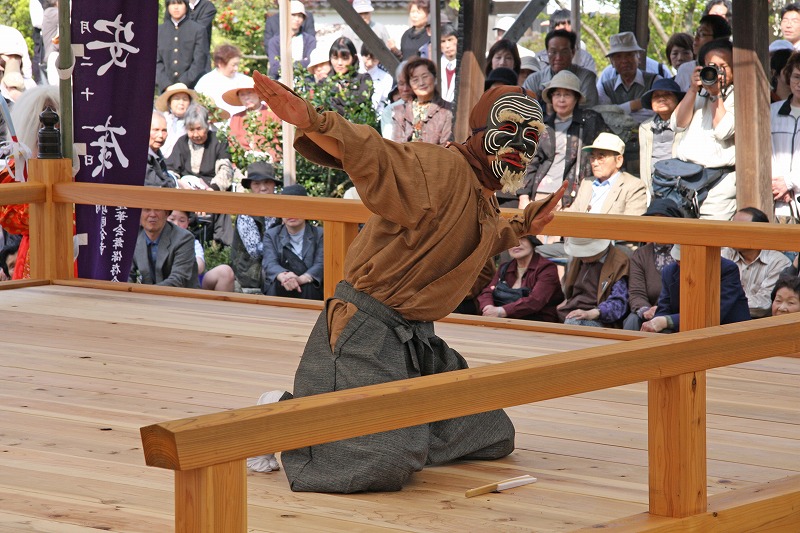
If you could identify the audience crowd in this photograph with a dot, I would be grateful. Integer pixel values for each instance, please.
(652, 141)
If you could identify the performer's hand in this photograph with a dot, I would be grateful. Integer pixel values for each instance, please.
(545, 214)
(287, 105)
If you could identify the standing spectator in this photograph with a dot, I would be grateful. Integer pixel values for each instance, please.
(404, 95)
(347, 86)
(416, 36)
(790, 24)
(164, 253)
(646, 264)
(720, 8)
(785, 128)
(526, 287)
(246, 98)
(303, 42)
(203, 163)
(448, 40)
(273, 26)
(569, 127)
(202, 12)
(709, 28)
(680, 50)
(157, 174)
(503, 53)
(365, 9)
(759, 269)
(381, 80)
(49, 37)
(182, 55)
(36, 12)
(560, 46)
(656, 136)
(426, 117)
(293, 256)
(224, 77)
(247, 250)
(13, 46)
(626, 88)
(779, 53)
(706, 118)
(596, 283)
(502, 25)
(560, 20)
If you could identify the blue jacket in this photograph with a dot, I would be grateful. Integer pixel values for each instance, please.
(732, 300)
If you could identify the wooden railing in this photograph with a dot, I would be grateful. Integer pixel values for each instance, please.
(208, 452)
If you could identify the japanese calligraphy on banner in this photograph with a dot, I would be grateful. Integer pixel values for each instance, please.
(112, 88)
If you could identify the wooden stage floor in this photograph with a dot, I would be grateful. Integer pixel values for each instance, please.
(82, 370)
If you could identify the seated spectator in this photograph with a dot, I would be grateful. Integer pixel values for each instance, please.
(709, 28)
(596, 284)
(646, 264)
(786, 145)
(706, 118)
(759, 269)
(790, 24)
(501, 26)
(381, 80)
(347, 87)
(8, 257)
(503, 53)
(560, 46)
(680, 50)
(656, 136)
(319, 67)
(364, 9)
(448, 43)
(416, 36)
(245, 97)
(219, 278)
(157, 174)
(426, 118)
(528, 65)
(303, 41)
(625, 89)
(203, 163)
(247, 250)
(786, 295)
(779, 88)
(402, 95)
(224, 77)
(164, 253)
(188, 61)
(173, 103)
(293, 256)
(560, 20)
(732, 301)
(526, 287)
(569, 127)
(612, 192)
(500, 76)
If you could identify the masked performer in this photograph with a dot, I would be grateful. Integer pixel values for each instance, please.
(435, 223)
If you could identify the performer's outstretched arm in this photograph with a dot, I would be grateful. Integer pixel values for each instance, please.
(293, 109)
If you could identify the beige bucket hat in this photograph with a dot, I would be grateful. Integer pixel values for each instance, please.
(564, 80)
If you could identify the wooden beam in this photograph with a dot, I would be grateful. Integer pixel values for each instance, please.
(525, 19)
(287, 78)
(753, 136)
(200, 441)
(22, 193)
(212, 499)
(365, 33)
(51, 249)
(470, 64)
(338, 238)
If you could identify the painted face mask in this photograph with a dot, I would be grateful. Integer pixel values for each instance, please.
(512, 136)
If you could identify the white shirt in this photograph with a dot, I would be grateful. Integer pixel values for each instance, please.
(448, 90)
(214, 84)
(37, 13)
(702, 143)
(381, 85)
(759, 277)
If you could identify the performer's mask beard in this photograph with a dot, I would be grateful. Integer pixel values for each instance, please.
(512, 136)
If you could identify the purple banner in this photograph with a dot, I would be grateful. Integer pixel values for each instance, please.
(113, 85)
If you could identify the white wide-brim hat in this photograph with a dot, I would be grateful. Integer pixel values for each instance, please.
(584, 247)
(564, 80)
(231, 96)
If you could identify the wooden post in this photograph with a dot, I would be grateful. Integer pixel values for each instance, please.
(212, 499)
(51, 250)
(753, 137)
(677, 405)
(287, 78)
(470, 64)
(338, 237)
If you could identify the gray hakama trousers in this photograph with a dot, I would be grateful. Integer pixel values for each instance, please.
(378, 345)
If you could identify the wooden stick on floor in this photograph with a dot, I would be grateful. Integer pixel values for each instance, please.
(501, 485)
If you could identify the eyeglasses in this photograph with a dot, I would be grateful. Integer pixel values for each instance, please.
(599, 156)
(703, 35)
(564, 52)
(416, 80)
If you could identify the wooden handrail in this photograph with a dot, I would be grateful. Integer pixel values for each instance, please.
(22, 193)
(221, 437)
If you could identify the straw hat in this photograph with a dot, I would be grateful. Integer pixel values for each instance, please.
(584, 247)
(607, 141)
(564, 80)
(231, 96)
(162, 102)
(623, 42)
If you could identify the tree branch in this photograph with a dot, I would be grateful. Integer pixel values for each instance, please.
(655, 23)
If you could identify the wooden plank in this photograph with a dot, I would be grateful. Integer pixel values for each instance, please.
(212, 499)
(338, 237)
(22, 193)
(188, 443)
(524, 20)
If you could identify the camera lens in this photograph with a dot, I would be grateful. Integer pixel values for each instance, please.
(709, 75)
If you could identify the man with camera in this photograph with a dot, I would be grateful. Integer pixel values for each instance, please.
(706, 116)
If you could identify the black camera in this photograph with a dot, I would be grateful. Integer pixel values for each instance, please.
(710, 74)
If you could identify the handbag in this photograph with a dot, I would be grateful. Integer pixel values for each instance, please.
(503, 294)
(686, 184)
